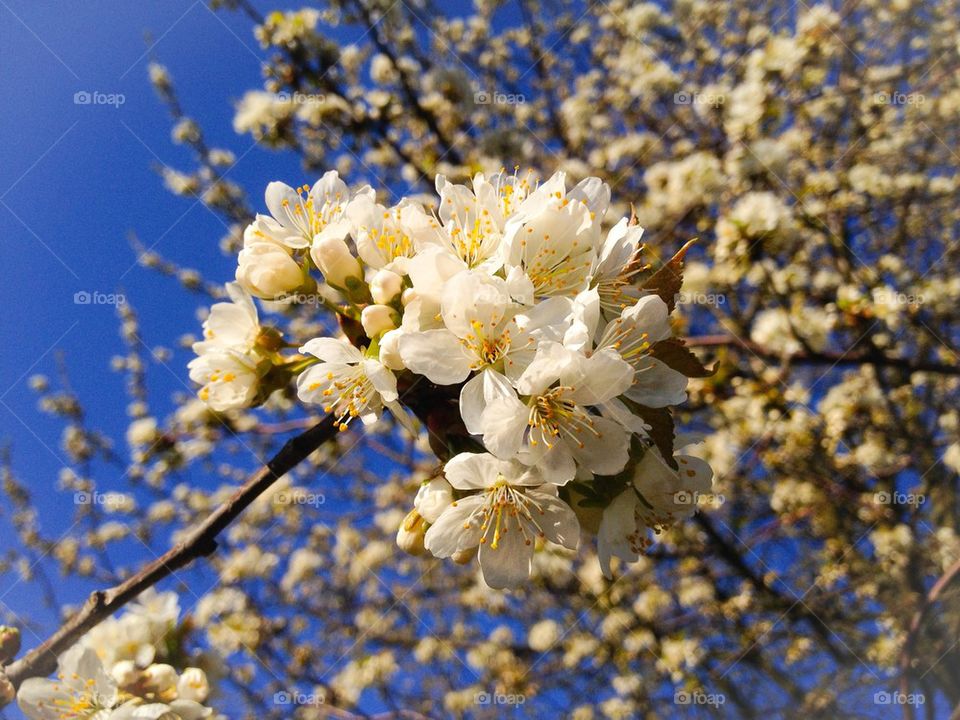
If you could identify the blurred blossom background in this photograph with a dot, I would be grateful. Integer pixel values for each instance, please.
(811, 148)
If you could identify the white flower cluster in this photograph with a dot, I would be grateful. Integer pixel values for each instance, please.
(112, 673)
(543, 330)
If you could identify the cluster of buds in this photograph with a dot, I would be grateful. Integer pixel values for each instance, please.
(525, 333)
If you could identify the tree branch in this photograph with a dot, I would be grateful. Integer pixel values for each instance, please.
(829, 358)
(200, 542)
(913, 631)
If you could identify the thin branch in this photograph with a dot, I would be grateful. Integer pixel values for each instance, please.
(906, 654)
(200, 542)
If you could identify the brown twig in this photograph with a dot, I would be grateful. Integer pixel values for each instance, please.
(200, 542)
(916, 622)
(830, 358)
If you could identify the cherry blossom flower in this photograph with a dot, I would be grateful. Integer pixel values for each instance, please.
(656, 498)
(347, 383)
(509, 509)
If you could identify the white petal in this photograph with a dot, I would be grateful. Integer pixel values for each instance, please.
(558, 521)
(472, 471)
(504, 423)
(551, 360)
(333, 351)
(605, 453)
(436, 354)
(508, 564)
(448, 534)
(275, 195)
(617, 525)
(601, 377)
(383, 381)
(657, 385)
(472, 404)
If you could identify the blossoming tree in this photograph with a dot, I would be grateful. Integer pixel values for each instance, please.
(511, 355)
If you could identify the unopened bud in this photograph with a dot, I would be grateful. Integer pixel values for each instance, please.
(338, 266)
(377, 319)
(411, 532)
(9, 643)
(161, 677)
(124, 673)
(267, 270)
(408, 296)
(390, 350)
(193, 685)
(385, 286)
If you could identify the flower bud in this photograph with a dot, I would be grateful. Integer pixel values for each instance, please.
(377, 319)
(267, 270)
(385, 286)
(433, 498)
(408, 296)
(338, 266)
(161, 678)
(411, 532)
(193, 685)
(124, 673)
(390, 350)
(9, 643)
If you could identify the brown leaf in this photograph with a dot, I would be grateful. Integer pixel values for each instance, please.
(673, 353)
(668, 279)
(661, 429)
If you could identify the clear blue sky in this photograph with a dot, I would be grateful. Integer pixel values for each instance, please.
(74, 181)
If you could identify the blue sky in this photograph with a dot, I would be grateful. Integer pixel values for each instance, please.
(75, 180)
